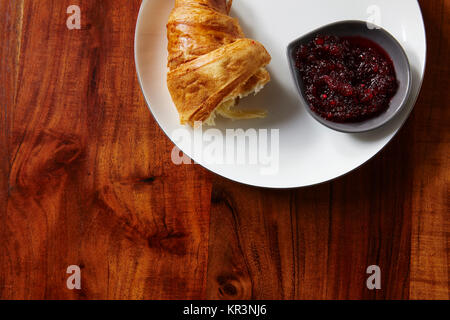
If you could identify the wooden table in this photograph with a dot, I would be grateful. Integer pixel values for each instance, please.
(86, 179)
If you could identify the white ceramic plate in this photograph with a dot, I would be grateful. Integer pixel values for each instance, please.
(309, 153)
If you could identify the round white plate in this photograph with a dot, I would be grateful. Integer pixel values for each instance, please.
(309, 153)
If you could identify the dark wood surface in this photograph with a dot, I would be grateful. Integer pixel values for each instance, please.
(86, 178)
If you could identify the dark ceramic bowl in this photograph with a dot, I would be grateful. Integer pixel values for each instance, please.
(383, 39)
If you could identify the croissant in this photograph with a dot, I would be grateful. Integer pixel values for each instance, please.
(211, 63)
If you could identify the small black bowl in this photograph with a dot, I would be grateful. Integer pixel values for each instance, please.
(386, 41)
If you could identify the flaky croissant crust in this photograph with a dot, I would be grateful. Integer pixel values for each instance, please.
(197, 27)
(210, 60)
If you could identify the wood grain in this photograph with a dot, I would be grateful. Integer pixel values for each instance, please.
(430, 256)
(91, 182)
(86, 178)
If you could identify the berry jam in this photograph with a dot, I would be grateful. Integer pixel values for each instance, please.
(348, 79)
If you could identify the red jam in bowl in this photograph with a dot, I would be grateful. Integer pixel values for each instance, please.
(348, 79)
